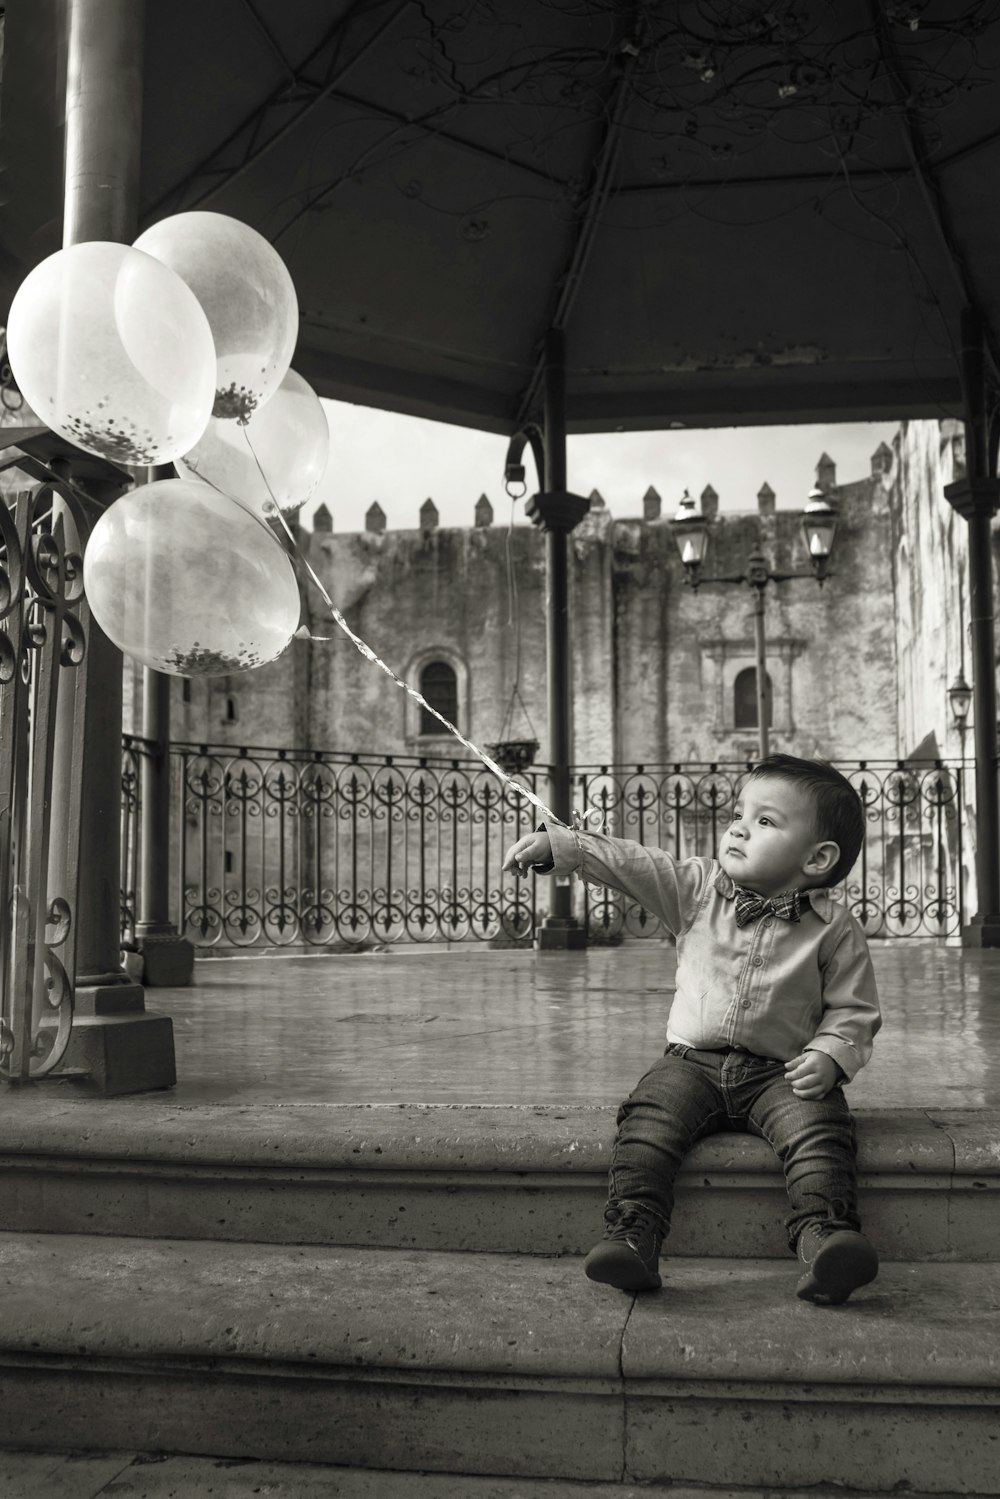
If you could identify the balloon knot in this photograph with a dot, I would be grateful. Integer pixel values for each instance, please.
(593, 815)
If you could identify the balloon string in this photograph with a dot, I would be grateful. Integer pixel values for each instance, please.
(305, 634)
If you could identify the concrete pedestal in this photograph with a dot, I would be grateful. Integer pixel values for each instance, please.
(168, 959)
(982, 931)
(559, 934)
(115, 1043)
(125, 1053)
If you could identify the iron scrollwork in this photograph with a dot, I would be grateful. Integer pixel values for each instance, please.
(43, 643)
(340, 850)
(319, 849)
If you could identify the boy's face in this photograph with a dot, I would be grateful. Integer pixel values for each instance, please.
(772, 844)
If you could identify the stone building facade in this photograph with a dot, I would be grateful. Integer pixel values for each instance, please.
(859, 668)
(930, 580)
(660, 671)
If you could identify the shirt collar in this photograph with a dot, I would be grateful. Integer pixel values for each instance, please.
(819, 900)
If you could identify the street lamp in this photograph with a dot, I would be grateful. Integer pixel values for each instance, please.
(691, 533)
(960, 698)
(819, 526)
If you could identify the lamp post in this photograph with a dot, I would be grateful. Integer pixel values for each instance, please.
(819, 525)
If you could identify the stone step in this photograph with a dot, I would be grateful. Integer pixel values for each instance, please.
(145, 1475)
(501, 1365)
(509, 1179)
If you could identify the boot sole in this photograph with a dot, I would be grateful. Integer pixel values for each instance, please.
(837, 1270)
(622, 1270)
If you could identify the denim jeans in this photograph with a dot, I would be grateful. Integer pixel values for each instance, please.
(689, 1094)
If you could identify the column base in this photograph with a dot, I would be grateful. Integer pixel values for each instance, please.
(107, 994)
(982, 931)
(121, 1054)
(115, 1046)
(168, 958)
(560, 934)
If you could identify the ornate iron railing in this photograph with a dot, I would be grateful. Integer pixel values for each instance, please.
(44, 631)
(318, 848)
(315, 848)
(133, 750)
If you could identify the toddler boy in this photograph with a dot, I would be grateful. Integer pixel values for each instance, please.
(775, 1007)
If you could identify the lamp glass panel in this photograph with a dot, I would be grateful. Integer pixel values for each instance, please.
(692, 540)
(819, 531)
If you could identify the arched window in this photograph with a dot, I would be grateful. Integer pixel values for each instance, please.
(745, 699)
(439, 685)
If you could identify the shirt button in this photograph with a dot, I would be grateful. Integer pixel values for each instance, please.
(745, 1003)
(758, 962)
(767, 921)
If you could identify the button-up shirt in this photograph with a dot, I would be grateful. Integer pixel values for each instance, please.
(774, 987)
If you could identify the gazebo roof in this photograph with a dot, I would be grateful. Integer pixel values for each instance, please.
(739, 212)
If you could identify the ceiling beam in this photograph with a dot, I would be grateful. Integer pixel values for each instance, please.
(883, 396)
(930, 190)
(589, 215)
(270, 40)
(213, 165)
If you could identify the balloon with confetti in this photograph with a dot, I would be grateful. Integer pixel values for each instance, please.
(186, 581)
(114, 352)
(249, 299)
(278, 458)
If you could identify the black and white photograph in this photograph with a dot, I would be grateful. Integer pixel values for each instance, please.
(499, 766)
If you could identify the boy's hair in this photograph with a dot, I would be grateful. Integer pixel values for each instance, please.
(839, 813)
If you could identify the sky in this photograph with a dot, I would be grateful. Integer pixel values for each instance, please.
(401, 461)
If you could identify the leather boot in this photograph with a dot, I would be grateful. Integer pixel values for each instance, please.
(837, 1261)
(628, 1255)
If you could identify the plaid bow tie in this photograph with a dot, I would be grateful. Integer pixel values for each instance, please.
(750, 905)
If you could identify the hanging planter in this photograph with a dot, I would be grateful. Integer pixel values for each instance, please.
(514, 755)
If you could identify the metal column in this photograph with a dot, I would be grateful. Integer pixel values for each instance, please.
(976, 498)
(103, 130)
(103, 121)
(559, 667)
(558, 511)
(168, 957)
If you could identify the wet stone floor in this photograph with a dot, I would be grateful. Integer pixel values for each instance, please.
(470, 1025)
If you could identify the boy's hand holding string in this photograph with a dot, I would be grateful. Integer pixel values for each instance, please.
(533, 851)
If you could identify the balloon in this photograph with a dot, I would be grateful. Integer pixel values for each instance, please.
(248, 297)
(290, 438)
(112, 351)
(186, 581)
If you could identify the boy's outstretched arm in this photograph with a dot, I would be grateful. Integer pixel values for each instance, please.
(667, 887)
(534, 849)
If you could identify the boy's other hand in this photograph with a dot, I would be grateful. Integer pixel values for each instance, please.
(812, 1075)
(533, 848)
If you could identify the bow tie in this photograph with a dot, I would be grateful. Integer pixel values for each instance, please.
(750, 905)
